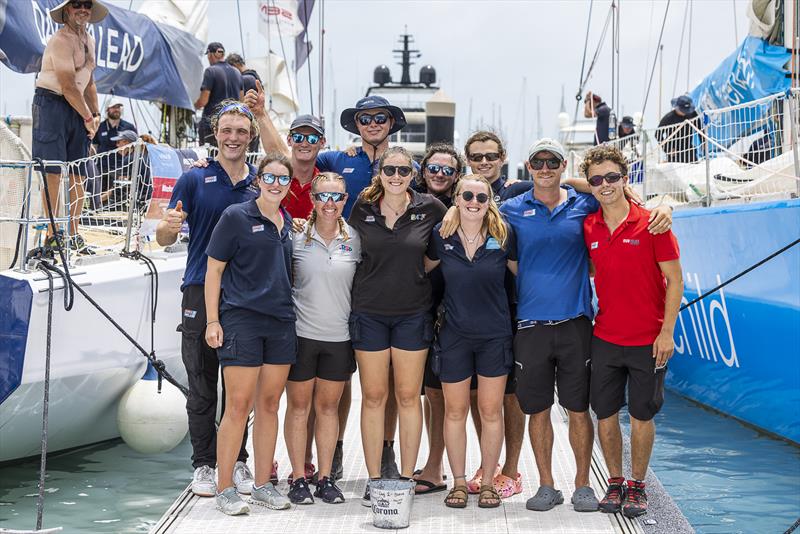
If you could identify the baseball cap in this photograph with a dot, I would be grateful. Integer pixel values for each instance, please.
(114, 102)
(126, 135)
(308, 120)
(683, 103)
(214, 47)
(627, 120)
(546, 144)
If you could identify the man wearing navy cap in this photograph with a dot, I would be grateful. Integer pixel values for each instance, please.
(675, 131)
(221, 81)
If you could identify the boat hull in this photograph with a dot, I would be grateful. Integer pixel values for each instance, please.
(92, 364)
(738, 350)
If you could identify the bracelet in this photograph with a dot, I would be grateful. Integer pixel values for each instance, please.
(88, 119)
(211, 322)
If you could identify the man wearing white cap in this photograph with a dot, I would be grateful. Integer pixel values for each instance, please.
(111, 127)
(65, 110)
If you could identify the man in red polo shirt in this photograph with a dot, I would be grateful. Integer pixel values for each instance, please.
(639, 287)
(306, 138)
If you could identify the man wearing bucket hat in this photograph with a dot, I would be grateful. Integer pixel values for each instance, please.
(65, 110)
(675, 132)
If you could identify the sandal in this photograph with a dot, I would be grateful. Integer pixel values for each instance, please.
(506, 486)
(457, 498)
(488, 497)
(474, 485)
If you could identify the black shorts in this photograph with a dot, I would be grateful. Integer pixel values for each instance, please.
(457, 357)
(614, 366)
(59, 133)
(328, 360)
(546, 355)
(252, 339)
(373, 332)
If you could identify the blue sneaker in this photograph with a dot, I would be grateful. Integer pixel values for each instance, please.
(299, 492)
(328, 491)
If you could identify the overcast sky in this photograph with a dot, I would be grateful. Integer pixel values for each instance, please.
(483, 50)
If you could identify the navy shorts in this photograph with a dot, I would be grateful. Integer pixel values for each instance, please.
(460, 357)
(329, 360)
(372, 332)
(614, 367)
(252, 339)
(59, 133)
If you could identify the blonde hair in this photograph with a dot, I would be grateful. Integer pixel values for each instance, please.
(312, 219)
(493, 222)
(374, 191)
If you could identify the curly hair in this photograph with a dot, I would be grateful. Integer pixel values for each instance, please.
(440, 148)
(603, 153)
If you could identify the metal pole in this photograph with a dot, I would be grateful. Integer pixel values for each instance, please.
(132, 196)
(66, 202)
(26, 226)
(644, 166)
(708, 161)
(793, 129)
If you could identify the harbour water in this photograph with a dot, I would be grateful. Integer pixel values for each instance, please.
(726, 478)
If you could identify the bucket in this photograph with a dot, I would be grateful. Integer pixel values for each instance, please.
(391, 502)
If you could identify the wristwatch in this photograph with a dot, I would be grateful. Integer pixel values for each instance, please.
(95, 114)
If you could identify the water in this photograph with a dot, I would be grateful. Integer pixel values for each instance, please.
(725, 477)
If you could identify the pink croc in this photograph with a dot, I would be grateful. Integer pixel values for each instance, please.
(474, 484)
(506, 486)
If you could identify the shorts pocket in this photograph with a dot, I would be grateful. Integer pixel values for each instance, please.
(228, 349)
(427, 330)
(354, 327)
(436, 358)
(44, 129)
(657, 401)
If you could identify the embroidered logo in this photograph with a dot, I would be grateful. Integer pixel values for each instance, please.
(634, 242)
(594, 245)
(347, 170)
(258, 228)
(492, 244)
(529, 213)
(369, 218)
(211, 179)
(448, 247)
(346, 248)
(418, 216)
(191, 314)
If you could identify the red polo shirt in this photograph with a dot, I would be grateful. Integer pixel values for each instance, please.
(630, 287)
(298, 200)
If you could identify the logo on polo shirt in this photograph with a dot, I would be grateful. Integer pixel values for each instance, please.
(369, 218)
(594, 245)
(418, 216)
(347, 170)
(346, 248)
(211, 179)
(634, 242)
(191, 314)
(258, 228)
(529, 213)
(492, 244)
(448, 247)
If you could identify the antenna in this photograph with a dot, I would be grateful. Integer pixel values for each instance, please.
(406, 55)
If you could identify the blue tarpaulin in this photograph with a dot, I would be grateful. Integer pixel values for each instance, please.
(136, 57)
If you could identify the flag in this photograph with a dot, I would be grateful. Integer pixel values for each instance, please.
(279, 16)
(302, 46)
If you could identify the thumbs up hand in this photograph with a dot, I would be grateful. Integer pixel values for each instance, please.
(254, 99)
(175, 217)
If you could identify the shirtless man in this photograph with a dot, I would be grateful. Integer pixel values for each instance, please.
(65, 110)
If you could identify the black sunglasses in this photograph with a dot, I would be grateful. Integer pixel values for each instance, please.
(78, 5)
(366, 119)
(489, 156)
(298, 138)
(538, 164)
(482, 198)
(269, 178)
(326, 196)
(611, 178)
(433, 168)
(402, 170)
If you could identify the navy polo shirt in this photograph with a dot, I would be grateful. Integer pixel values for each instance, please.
(357, 172)
(257, 276)
(503, 193)
(553, 276)
(475, 297)
(205, 194)
(102, 139)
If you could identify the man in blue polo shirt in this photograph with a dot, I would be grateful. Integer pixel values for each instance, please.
(200, 196)
(554, 316)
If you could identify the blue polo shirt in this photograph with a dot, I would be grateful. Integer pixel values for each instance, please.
(205, 194)
(553, 276)
(357, 172)
(475, 297)
(258, 274)
(503, 193)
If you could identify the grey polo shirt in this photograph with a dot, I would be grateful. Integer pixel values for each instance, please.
(323, 280)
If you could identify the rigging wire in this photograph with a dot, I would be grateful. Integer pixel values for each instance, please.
(649, 40)
(241, 35)
(689, 48)
(308, 56)
(579, 96)
(655, 59)
(594, 58)
(680, 49)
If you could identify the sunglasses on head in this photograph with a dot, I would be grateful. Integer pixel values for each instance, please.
(366, 119)
(326, 196)
(402, 170)
(298, 138)
(489, 156)
(482, 198)
(611, 178)
(269, 178)
(433, 168)
(81, 5)
(538, 164)
(241, 108)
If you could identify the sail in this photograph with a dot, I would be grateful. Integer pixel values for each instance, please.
(280, 83)
(190, 16)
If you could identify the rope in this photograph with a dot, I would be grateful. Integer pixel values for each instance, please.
(793, 527)
(241, 34)
(655, 59)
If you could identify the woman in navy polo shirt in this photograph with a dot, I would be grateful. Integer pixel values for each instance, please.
(252, 327)
(475, 333)
(325, 256)
(390, 322)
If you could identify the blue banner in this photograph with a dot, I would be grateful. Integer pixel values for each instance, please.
(136, 57)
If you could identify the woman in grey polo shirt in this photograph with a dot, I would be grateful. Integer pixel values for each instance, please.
(324, 261)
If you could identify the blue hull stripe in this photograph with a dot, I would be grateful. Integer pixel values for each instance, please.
(15, 317)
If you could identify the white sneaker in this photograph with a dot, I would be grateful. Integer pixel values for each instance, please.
(243, 478)
(203, 483)
(229, 502)
(267, 495)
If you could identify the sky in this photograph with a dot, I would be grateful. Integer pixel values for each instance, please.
(493, 58)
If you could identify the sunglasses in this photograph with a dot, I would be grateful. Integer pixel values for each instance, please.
(81, 5)
(489, 156)
(298, 138)
(241, 108)
(269, 178)
(402, 170)
(538, 164)
(445, 169)
(482, 198)
(326, 196)
(366, 119)
(611, 178)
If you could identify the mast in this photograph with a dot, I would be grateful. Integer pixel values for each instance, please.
(406, 55)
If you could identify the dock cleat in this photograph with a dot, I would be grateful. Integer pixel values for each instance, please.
(615, 494)
(203, 484)
(243, 478)
(268, 496)
(635, 503)
(299, 492)
(229, 502)
(328, 491)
